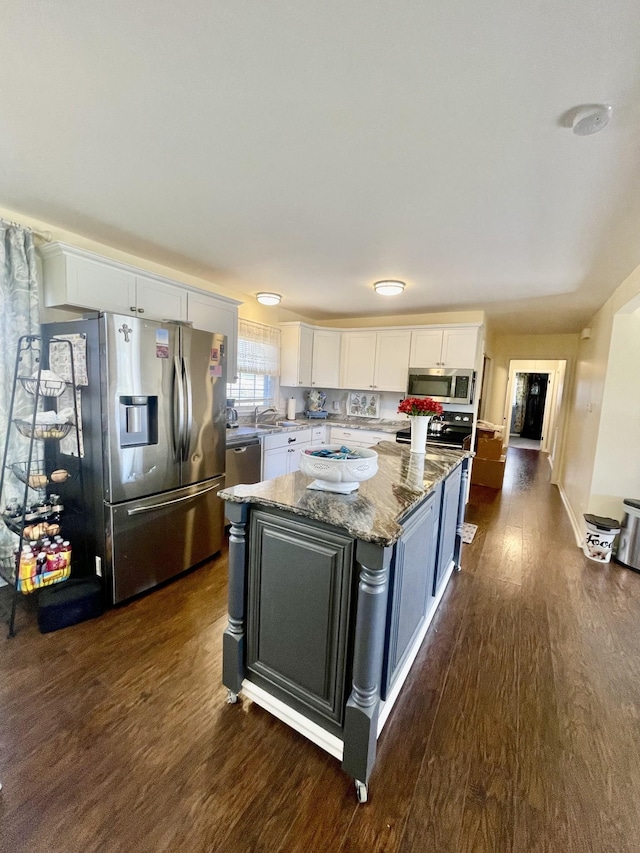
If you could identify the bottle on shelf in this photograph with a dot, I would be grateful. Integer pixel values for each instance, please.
(26, 567)
(66, 555)
(41, 557)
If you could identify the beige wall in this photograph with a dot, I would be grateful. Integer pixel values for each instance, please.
(249, 310)
(616, 469)
(602, 449)
(501, 349)
(446, 318)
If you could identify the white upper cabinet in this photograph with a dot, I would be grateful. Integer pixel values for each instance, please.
(77, 280)
(74, 278)
(377, 360)
(426, 348)
(452, 347)
(296, 348)
(392, 361)
(160, 299)
(216, 314)
(325, 364)
(358, 359)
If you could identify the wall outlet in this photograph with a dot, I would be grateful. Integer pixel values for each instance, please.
(336, 405)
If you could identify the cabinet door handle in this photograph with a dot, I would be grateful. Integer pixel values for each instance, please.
(290, 450)
(291, 440)
(140, 310)
(133, 308)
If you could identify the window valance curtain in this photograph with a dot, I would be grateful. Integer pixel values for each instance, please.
(258, 349)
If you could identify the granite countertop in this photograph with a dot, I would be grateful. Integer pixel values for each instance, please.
(375, 511)
(245, 431)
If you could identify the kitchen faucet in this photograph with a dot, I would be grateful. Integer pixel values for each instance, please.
(257, 414)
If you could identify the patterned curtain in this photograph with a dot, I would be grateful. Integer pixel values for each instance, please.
(18, 316)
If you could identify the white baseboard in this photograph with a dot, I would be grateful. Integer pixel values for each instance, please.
(312, 731)
(577, 528)
(387, 706)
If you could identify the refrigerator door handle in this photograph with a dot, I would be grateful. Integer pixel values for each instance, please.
(188, 394)
(178, 402)
(138, 509)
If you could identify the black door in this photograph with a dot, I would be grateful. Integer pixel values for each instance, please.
(534, 408)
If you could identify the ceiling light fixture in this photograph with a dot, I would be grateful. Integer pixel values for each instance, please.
(269, 298)
(591, 118)
(389, 287)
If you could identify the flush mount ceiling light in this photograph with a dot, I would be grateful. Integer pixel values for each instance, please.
(591, 118)
(269, 298)
(389, 287)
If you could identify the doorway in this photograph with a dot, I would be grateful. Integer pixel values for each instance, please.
(527, 410)
(533, 406)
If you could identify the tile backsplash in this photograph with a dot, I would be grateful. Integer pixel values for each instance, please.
(388, 401)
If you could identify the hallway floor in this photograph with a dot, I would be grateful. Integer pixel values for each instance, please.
(524, 443)
(518, 729)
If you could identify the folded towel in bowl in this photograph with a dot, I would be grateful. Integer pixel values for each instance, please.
(326, 453)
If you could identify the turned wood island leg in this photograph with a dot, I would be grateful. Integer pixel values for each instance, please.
(233, 640)
(361, 713)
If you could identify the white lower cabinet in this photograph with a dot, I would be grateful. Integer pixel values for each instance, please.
(358, 437)
(318, 435)
(281, 452)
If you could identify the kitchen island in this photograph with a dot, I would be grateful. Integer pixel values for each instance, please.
(330, 596)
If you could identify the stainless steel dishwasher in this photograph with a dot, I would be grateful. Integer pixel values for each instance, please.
(243, 460)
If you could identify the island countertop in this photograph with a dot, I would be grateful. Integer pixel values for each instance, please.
(375, 511)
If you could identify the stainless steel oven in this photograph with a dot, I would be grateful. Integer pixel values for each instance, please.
(449, 430)
(445, 385)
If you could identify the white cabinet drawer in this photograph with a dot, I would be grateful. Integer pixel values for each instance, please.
(340, 435)
(287, 439)
(318, 435)
(372, 438)
(364, 437)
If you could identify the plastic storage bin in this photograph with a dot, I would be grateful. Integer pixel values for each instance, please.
(598, 542)
(69, 603)
(628, 551)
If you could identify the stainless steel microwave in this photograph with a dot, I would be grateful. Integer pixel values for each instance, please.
(441, 384)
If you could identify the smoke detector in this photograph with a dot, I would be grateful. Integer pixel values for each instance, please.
(591, 119)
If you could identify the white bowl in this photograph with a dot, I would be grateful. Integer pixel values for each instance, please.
(339, 475)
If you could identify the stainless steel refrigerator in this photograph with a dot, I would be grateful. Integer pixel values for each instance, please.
(153, 431)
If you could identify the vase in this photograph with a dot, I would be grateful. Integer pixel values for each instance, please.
(415, 471)
(419, 426)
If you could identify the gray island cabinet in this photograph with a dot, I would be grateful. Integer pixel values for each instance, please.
(330, 596)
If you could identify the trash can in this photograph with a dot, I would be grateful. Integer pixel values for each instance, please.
(598, 543)
(628, 551)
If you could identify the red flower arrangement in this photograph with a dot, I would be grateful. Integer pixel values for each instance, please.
(424, 406)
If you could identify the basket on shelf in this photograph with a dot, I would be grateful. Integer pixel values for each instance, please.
(42, 431)
(36, 477)
(34, 582)
(51, 385)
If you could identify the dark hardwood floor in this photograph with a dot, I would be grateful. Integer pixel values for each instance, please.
(518, 729)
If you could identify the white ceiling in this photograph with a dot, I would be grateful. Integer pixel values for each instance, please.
(314, 147)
